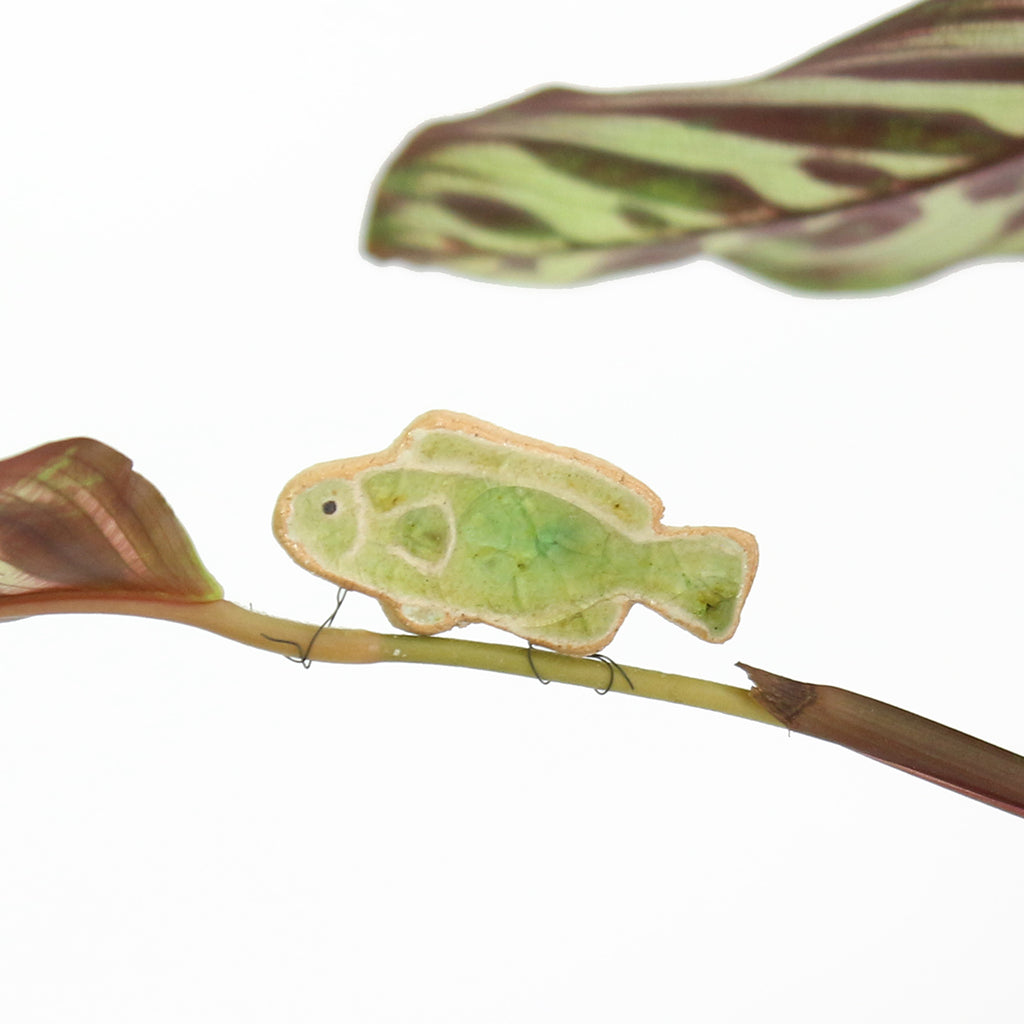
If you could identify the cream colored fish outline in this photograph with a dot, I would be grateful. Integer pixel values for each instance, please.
(460, 521)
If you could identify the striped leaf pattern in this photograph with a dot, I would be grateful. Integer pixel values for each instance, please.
(878, 161)
(76, 519)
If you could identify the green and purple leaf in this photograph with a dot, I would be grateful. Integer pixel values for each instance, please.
(883, 159)
(76, 520)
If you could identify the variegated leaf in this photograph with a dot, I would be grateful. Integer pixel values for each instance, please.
(75, 519)
(880, 160)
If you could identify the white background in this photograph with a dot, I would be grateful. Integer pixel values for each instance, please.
(194, 831)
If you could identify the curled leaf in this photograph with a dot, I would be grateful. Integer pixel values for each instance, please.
(75, 519)
(880, 160)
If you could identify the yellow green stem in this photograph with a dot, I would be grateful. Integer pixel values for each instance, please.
(899, 738)
(356, 646)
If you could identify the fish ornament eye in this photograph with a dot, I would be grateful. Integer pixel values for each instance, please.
(322, 521)
(460, 521)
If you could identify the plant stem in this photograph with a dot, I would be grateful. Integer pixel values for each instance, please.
(563, 668)
(356, 646)
(899, 738)
(895, 737)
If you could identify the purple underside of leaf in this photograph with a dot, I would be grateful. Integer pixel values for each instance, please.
(75, 519)
(896, 737)
(883, 159)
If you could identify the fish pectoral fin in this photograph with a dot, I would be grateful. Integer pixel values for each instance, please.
(424, 535)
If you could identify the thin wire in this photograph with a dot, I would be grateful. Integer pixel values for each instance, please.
(303, 657)
(533, 668)
(613, 667)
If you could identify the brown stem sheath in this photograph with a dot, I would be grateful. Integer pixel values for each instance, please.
(896, 737)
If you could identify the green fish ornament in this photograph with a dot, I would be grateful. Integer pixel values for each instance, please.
(460, 521)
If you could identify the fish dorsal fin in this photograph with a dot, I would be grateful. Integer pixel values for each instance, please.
(452, 442)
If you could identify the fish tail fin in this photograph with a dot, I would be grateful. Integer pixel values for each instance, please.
(700, 579)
